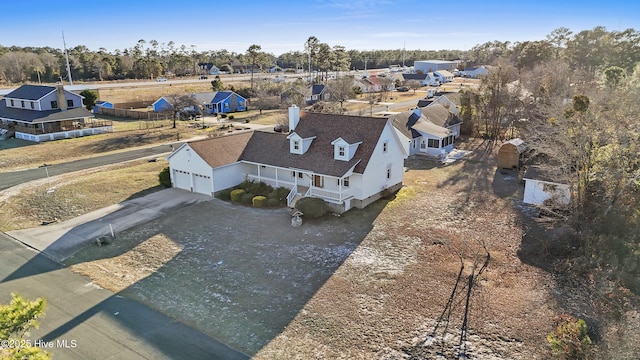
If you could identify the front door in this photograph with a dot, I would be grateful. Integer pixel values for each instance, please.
(318, 181)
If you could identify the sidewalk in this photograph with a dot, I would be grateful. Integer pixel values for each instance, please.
(61, 240)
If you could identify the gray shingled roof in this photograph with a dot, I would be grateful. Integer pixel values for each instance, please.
(30, 92)
(272, 148)
(34, 116)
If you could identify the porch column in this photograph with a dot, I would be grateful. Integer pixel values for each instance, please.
(340, 187)
(277, 177)
(259, 178)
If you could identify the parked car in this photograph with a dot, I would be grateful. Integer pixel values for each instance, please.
(203, 77)
(403, 89)
(161, 79)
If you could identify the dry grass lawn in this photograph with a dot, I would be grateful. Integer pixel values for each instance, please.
(77, 193)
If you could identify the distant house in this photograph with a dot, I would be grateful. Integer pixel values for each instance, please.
(443, 76)
(102, 104)
(275, 69)
(41, 113)
(540, 187)
(162, 104)
(348, 161)
(216, 102)
(226, 102)
(421, 136)
(214, 70)
(315, 93)
(474, 72)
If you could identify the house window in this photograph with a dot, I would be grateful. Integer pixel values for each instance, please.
(226, 105)
(296, 145)
(22, 103)
(33, 105)
(341, 151)
(385, 146)
(300, 175)
(423, 145)
(414, 144)
(54, 104)
(240, 103)
(388, 171)
(12, 104)
(345, 182)
(433, 143)
(70, 103)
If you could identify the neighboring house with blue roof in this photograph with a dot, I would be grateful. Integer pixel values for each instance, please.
(41, 113)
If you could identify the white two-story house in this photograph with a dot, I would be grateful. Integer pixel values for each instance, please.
(348, 161)
(41, 113)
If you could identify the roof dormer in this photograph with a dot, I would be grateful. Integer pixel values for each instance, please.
(342, 150)
(299, 145)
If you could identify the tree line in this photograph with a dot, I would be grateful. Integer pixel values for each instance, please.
(149, 59)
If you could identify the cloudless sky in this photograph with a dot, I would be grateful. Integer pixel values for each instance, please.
(280, 26)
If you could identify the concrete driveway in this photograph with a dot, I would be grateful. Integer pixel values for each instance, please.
(61, 240)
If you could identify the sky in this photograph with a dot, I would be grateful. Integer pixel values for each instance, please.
(280, 26)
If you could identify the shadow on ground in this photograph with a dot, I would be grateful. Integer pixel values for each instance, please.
(241, 276)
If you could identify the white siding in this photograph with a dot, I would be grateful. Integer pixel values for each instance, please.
(227, 176)
(374, 179)
(534, 192)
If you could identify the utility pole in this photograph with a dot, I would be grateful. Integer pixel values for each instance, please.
(66, 53)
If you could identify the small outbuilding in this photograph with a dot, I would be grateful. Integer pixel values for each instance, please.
(540, 186)
(511, 153)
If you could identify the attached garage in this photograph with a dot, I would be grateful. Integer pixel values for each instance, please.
(181, 179)
(195, 166)
(202, 184)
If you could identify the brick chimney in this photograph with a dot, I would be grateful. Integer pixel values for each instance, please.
(62, 99)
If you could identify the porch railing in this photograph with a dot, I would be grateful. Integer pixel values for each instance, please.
(292, 194)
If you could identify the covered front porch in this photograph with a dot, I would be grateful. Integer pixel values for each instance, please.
(303, 183)
(47, 131)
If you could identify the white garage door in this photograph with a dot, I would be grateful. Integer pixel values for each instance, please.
(202, 184)
(181, 179)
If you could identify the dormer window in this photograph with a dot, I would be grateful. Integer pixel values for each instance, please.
(54, 104)
(299, 145)
(385, 146)
(70, 103)
(342, 150)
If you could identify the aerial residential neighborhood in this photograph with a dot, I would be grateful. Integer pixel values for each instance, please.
(335, 193)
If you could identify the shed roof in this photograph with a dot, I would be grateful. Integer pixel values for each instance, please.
(518, 143)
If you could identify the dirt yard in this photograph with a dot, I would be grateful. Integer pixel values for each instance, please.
(385, 282)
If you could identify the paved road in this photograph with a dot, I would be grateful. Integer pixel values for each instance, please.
(96, 323)
(10, 179)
